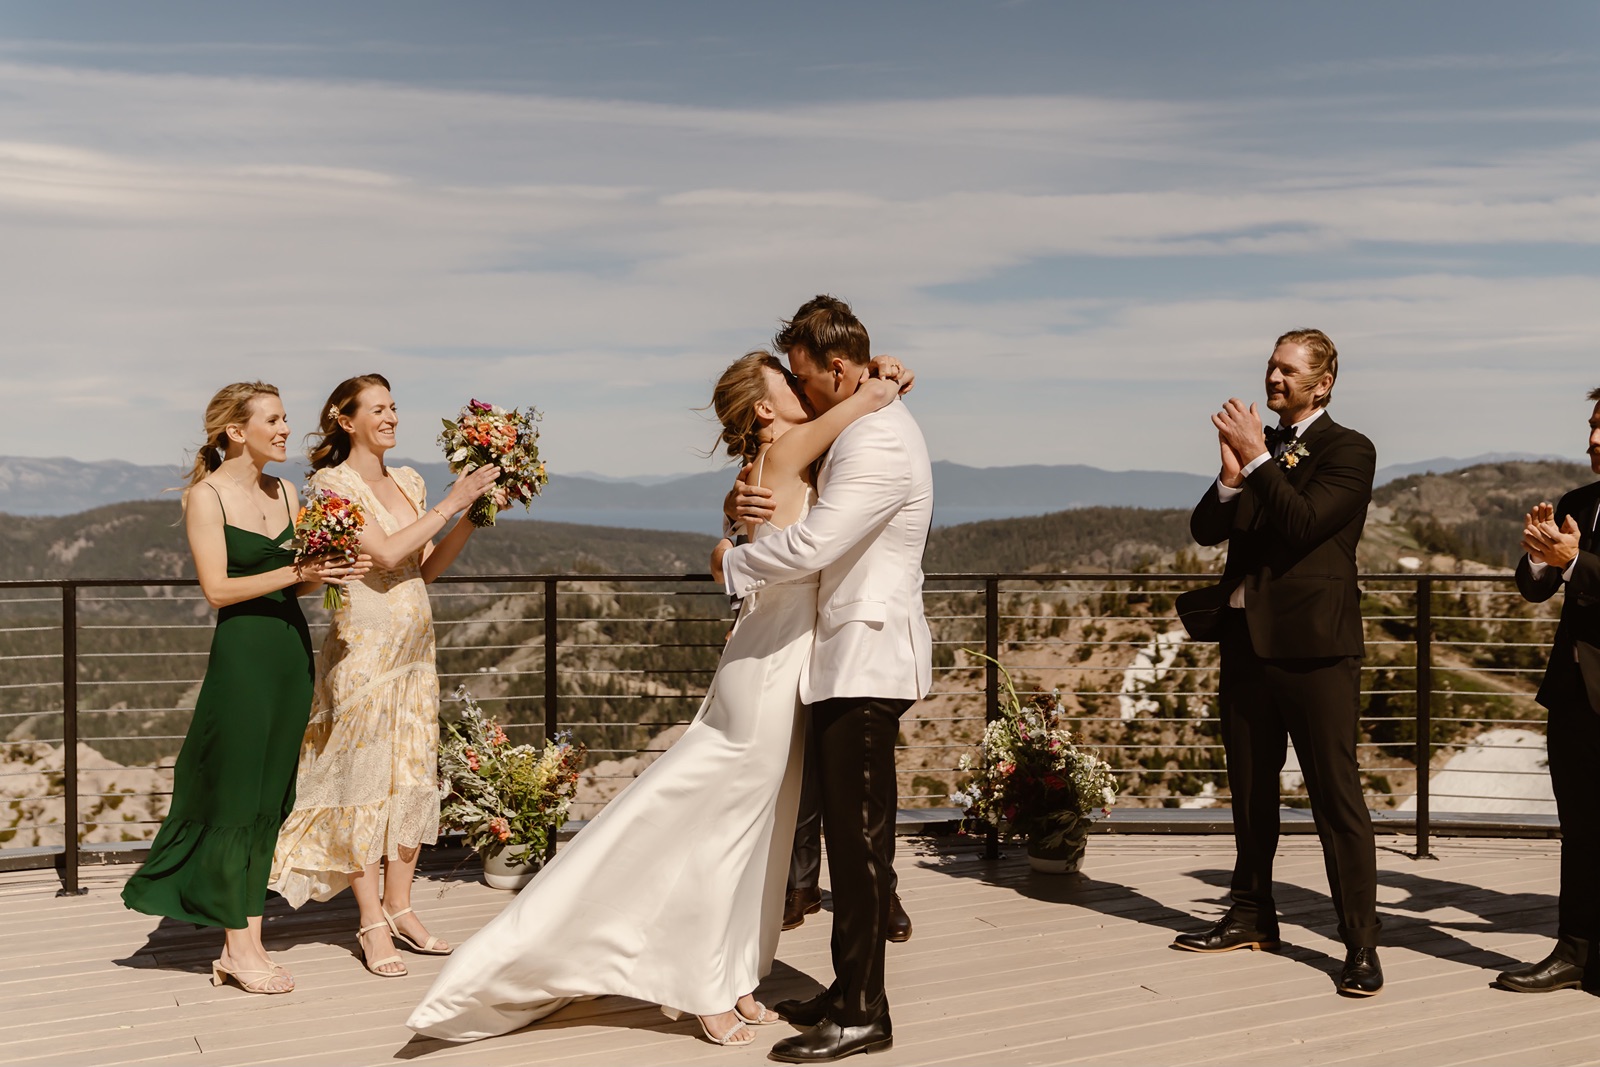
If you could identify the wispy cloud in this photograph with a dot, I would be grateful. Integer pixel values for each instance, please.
(605, 258)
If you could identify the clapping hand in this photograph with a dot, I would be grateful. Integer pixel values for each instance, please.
(1545, 542)
(1239, 430)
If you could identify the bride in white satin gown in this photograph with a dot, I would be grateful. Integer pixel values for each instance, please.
(674, 893)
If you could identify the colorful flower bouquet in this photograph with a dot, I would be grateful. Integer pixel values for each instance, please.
(500, 795)
(328, 525)
(508, 438)
(1031, 780)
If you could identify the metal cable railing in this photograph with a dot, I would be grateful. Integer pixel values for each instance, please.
(97, 679)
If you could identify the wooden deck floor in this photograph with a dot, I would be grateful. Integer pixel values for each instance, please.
(1006, 967)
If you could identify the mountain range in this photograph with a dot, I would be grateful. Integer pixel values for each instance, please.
(690, 502)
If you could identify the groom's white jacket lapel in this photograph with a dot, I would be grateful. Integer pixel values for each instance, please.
(864, 539)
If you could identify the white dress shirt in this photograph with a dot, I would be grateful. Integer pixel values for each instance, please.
(1226, 493)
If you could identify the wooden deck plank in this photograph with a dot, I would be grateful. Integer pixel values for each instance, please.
(1005, 967)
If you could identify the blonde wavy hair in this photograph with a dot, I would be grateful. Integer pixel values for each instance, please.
(231, 406)
(1324, 358)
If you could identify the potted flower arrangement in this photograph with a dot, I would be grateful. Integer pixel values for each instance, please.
(507, 801)
(1032, 781)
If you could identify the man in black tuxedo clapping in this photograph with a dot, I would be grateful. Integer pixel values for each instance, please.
(1291, 502)
(1561, 550)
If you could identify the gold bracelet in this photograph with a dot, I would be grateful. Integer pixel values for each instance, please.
(441, 514)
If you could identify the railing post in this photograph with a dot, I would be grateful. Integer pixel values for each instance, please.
(552, 725)
(991, 683)
(1424, 754)
(69, 741)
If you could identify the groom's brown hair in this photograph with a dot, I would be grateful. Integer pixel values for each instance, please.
(825, 327)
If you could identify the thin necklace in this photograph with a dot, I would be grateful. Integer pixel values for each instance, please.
(249, 495)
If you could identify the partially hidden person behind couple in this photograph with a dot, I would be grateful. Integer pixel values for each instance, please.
(674, 893)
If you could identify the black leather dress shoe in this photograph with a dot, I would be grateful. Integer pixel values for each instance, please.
(899, 922)
(1362, 976)
(1562, 969)
(798, 904)
(828, 1041)
(804, 1012)
(1226, 935)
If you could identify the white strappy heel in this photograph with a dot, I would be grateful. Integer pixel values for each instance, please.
(427, 949)
(373, 965)
(726, 1039)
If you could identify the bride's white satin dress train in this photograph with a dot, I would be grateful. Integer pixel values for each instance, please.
(674, 893)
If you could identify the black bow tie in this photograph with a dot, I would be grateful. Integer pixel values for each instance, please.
(1280, 439)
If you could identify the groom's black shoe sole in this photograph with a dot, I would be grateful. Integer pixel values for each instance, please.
(828, 1041)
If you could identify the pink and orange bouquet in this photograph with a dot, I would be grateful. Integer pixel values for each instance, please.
(506, 437)
(328, 525)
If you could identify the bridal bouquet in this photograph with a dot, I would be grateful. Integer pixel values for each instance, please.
(1032, 780)
(506, 437)
(501, 795)
(328, 525)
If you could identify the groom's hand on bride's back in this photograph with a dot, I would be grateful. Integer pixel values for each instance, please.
(747, 502)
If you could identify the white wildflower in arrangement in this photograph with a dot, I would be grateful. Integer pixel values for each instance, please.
(1031, 779)
(506, 437)
(500, 795)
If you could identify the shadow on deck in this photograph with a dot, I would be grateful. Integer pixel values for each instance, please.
(1006, 966)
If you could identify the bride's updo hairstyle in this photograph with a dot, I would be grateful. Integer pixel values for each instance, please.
(741, 387)
(232, 406)
(332, 444)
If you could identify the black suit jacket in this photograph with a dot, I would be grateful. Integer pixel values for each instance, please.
(1573, 675)
(1292, 537)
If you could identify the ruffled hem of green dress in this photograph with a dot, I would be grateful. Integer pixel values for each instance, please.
(210, 875)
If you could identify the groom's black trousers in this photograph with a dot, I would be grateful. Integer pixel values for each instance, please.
(855, 739)
(1317, 703)
(805, 862)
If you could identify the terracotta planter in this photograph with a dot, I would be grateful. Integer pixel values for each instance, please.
(1065, 858)
(510, 868)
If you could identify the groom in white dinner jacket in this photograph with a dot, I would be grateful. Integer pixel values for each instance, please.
(872, 658)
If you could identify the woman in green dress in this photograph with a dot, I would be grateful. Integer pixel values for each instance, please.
(234, 780)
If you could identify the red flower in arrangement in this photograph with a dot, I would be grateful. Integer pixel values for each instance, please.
(500, 828)
(472, 758)
(500, 737)
(477, 405)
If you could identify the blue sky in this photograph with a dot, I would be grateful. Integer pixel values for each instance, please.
(1082, 223)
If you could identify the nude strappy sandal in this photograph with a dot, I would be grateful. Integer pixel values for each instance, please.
(373, 965)
(726, 1039)
(427, 949)
(760, 1019)
(247, 980)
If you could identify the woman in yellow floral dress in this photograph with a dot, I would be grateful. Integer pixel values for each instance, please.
(367, 792)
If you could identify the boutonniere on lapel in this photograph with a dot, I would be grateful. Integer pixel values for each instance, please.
(1292, 455)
